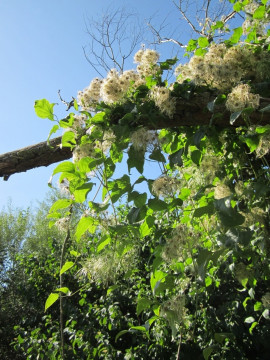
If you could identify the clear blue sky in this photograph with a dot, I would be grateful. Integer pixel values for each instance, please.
(41, 52)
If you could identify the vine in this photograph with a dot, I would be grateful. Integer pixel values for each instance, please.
(204, 222)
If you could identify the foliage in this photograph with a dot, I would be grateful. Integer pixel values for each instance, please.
(181, 270)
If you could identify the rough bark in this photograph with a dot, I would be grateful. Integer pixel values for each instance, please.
(189, 113)
(30, 157)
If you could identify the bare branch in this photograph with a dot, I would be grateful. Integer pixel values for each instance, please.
(113, 39)
(183, 13)
(229, 16)
(161, 40)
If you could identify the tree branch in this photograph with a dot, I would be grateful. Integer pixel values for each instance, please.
(30, 157)
(191, 112)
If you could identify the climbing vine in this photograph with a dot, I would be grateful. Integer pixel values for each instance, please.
(193, 242)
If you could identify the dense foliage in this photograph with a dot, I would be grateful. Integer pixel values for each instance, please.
(175, 266)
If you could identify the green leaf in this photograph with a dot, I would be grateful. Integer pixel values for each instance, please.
(98, 118)
(252, 327)
(237, 33)
(142, 305)
(208, 351)
(53, 130)
(266, 314)
(156, 278)
(166, 65)
(103, 243)
(122, 332)
(44, 109)
(146, 226)
(257, 306)
(176, 158)
(157, 205)
(208, 281)
(136, 214)
(53, 297)
(252, 141)
(64, 290)
(66, 267)
(234, 116)
(74, 253)
(67, 122)
(249, 320)
(185, 192)
(265, 109)
(237, 6)
(116, 153)
(76, 107)
(112, 288)
(82, 191)
(228, 215)
(135, 159)
(221, 337)
(85, 224)
(68, 139)
(192, 44)
(196, 157)
(202, 261)
(203, 42)
(60, 204)
(263, 129)
(208, 209)
(65, 166)
(157, 155)
(138, 328)
(200, 52)
(140, 200)
(259, 13)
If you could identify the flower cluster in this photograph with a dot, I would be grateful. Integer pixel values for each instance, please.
(82, 151)
(147, 60)
(62, 224)
(174, 312)
(143, 139)
(178, 245)
(163, 100)
(242, 273)
(90, 95)
(264, 144)
(255, 216)
(115, 86)
(89, 149)
(266, 300)
(106, 267)
(165, 186)
(223, 68)
(222, 191)
(241, 98)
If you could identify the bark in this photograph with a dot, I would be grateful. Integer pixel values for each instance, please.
(191, 112)
(30, 157)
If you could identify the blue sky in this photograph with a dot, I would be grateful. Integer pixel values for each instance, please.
(42, 52)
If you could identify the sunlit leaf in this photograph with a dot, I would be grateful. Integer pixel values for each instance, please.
(66, 267)
(85, 224)
(259, 13)
(44, 109)
(64, 290)
(65, 166)
(60, 204)
(53, 297)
